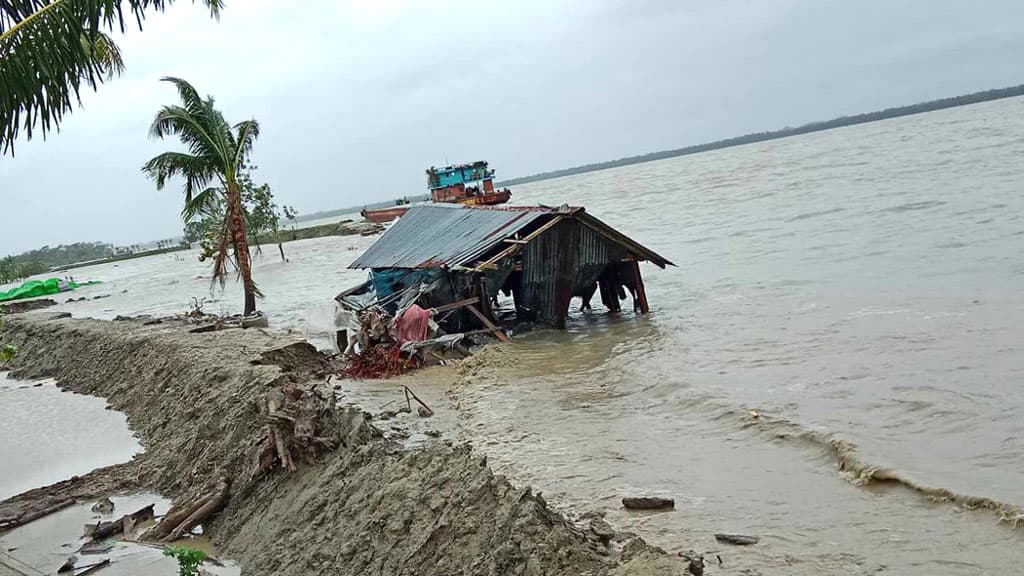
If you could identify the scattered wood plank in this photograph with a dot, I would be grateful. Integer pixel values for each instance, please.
(648, 503)
(93, 567)
(737, 539)
(124, 525)
(455, 305)
(182, 518)
(490, 325)
(543, 228)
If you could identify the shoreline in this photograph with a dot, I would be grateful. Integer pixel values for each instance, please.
(367, 506)
(345, 227)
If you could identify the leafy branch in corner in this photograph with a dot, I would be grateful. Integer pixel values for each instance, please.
(188, 559)
(52, 50)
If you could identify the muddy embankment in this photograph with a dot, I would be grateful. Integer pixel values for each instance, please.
(366, 506)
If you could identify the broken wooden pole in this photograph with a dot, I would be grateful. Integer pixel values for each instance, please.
(182, 519)
(490, 325)
(408, 392)
(455, 305)
(641, 293)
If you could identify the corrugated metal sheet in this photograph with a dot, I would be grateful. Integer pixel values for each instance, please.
(641, 251)
(444, 235)
(564, 261)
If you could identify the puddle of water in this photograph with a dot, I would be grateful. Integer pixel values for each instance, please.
(46, 543)
(411, 429)
(49, 435)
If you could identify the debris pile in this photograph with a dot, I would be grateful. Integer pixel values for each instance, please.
(380, 361)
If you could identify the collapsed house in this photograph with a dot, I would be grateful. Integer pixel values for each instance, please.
(464, 263)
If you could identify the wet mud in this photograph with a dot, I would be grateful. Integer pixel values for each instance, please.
(370, 506)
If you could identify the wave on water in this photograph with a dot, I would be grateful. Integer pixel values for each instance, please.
(923, 205)
(490, 365)
(817, 213)
(859, 472)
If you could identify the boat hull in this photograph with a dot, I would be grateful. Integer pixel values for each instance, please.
(383, 215)
(489, 199)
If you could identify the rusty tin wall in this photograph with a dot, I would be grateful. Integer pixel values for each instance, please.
(561, 262)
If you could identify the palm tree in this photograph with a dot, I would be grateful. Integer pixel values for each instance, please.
(52, 49)
(217, 152)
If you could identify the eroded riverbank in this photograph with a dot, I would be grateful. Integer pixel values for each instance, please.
(368, 507)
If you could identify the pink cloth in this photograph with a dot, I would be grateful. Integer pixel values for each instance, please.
(412, 325)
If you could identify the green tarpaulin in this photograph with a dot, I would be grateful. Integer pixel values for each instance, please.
(34, 288)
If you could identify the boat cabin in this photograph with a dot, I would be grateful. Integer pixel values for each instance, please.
(453, 183)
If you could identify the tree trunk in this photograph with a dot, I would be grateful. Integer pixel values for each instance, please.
(241, 246)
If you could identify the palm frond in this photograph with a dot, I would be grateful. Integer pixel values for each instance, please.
(50, 50)
(196, 132)
(248, 132)
(206, 203)
(206, 122)
(197, 171)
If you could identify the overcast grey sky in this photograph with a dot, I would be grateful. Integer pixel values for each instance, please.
(357, 98)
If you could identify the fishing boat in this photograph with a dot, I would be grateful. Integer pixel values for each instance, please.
(468, 184)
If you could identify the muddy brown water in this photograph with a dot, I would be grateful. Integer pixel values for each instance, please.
(859, 285)
(46, 543)
(49, 435)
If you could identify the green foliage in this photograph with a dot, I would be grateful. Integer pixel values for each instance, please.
(14, 268)
(50, 50)
(289, 213)
(188, 559)
(42, 259)
(262, 215)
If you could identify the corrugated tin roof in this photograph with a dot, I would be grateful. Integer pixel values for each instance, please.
(643, 252)
(443, 235)
(453, 235)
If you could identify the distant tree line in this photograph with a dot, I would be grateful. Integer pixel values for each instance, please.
(42, 260)
(930, 106)
(12, 270)
(38, 261)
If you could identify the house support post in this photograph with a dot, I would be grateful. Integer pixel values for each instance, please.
(641, 293)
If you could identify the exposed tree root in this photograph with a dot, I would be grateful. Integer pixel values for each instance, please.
(291, 415)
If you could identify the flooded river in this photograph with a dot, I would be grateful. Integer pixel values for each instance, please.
(860, 285)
